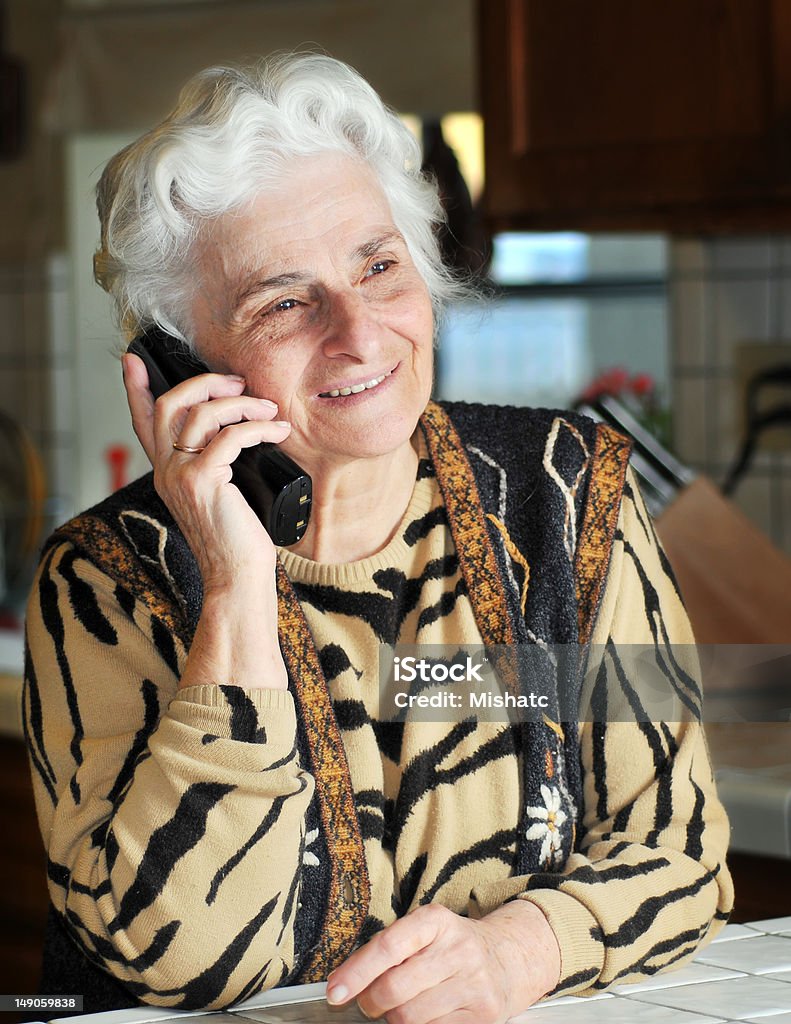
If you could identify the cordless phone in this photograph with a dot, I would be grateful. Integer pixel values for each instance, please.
(278, 490)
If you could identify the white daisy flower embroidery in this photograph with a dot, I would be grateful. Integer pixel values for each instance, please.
(547, 827)
(310, 859)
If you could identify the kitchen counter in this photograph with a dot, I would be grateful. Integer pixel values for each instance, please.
(744, 976)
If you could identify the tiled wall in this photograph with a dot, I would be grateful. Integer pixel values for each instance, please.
(722, 293)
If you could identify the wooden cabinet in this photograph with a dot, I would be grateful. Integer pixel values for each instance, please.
(628, 114)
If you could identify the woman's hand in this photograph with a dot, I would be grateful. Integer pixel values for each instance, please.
(224, 534)
(236, 640)
(434, 965)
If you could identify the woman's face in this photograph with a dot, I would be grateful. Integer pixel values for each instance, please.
(310, 291)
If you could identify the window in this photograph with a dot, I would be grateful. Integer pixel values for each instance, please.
(565, 309)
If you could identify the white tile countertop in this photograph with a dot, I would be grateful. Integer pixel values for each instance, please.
(743, 976)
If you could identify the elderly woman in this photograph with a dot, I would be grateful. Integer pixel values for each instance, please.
(223, 806)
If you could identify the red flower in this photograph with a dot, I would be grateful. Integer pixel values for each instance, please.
(609, 382)
(642, 384)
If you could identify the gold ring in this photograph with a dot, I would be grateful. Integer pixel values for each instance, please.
(186, 448)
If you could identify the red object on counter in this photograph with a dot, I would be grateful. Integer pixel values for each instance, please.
(117, 456)
(642, 384)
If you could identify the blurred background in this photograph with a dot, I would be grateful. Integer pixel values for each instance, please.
(618, 175)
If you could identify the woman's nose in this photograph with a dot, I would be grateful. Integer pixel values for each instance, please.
(352, 329)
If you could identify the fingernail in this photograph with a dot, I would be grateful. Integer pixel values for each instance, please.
(337, 994)
(236, 376)
(280, 423)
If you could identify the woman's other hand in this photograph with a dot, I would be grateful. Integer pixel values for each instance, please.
(434, 965)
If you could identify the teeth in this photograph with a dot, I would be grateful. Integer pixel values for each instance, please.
(356, 388)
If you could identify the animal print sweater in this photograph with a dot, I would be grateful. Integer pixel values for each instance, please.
(183, 841)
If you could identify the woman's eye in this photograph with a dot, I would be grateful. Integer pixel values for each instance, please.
(379, 267)
(284, 305)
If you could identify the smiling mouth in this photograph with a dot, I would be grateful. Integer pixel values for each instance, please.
(355, 389)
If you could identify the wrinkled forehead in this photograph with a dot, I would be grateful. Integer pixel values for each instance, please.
(329, 213)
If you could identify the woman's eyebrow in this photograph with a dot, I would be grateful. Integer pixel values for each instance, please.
(363, 252)
(375, 245)
(259, 285)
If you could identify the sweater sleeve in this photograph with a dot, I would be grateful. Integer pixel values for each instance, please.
(648, 881)
(173, 819)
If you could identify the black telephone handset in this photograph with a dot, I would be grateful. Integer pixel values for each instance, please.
(275, 487)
